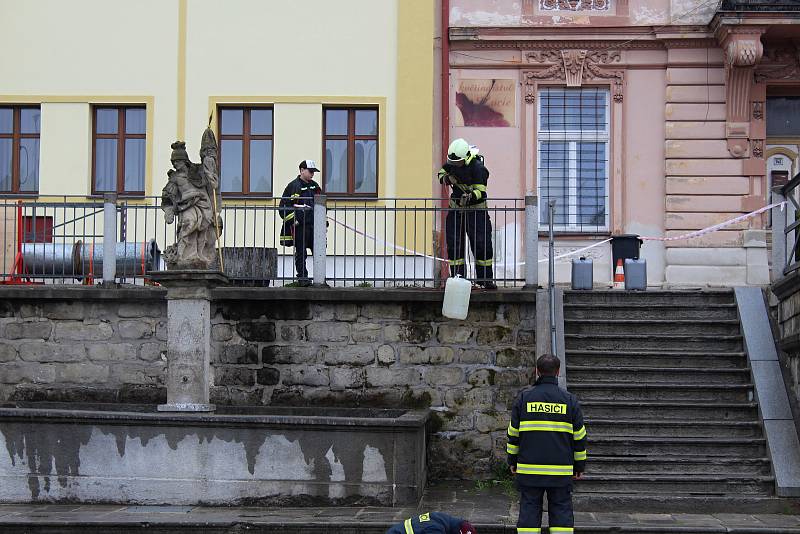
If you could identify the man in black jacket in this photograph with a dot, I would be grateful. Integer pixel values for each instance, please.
(297, 211)
(546, 449)
(466, 174)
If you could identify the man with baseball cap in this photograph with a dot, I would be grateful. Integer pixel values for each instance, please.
(297, 211)
(433, 523)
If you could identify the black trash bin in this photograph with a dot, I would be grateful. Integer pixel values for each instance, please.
(623, 247)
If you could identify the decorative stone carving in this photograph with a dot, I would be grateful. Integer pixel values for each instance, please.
(779, 63)
(758, 111)
(574, 67)
(192, 195)
(574, 5)
(757, 148)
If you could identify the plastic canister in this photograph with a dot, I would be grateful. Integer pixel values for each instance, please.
(582, 273)
(636, 275)
(456, 298)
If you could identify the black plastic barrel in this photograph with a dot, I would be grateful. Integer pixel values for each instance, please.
(625, 246)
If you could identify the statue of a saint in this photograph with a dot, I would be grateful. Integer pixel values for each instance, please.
(192, 195)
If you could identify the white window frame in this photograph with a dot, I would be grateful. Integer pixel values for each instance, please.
(573, 137)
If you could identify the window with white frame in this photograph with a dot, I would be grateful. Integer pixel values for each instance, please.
(572, 166)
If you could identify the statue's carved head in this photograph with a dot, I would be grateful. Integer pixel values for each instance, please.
(179, 152)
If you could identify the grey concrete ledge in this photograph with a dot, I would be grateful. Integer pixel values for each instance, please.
(787, 285)
(54, 292)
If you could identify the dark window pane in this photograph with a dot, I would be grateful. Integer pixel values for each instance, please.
(231, 172)
(107, 120)
(6, 120)
(232, 121)
(29, 164)
(366, 167)
(5, 164)
(135, 121)
(260, 166)
(335, 170)
(573, 109)
(261, 121)
(105, 165)
(335, 122)
(553, 180)
(134, 164)
(591, 184)
(30, 120)
(366, 122)
(783, 115)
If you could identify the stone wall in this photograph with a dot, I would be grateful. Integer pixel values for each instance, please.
(787, 290)
(377, 348)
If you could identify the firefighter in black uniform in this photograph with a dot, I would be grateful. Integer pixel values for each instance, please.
(433, 523)
(297, 211)
(466, 174)
(546, 449)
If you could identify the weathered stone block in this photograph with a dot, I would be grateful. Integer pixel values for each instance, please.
(161, 331)
(454, 334)
(381, 311)
(439, 355)
(7, 353)
(475, 356)
(482, 377)
(239, 354)
(469, 399)
(29, 330)
(82, 373)
(141, 309)
(233, 376)
(413, 355)
(18, 372)
(386, 355)
(289, 354)
(152, 374)
(424, 311)
(143, 394)
(345, 312)
(421, 397)
(52, 352)
(444, 376)
(293, 333)
(346, 378)
(526, 338)
(268, 376)
(328, 331)
(494, 334)
(366, 332)
(409, 332)
(491, 422)
(349, 355)
(244, 396)
(306, 376)
(256, 331)
(80, 331)
(383, 377)
(453, 422)
(515, 358)
(129, 329)
(482, 312)
(118, 352)
(221, 332)
(151, 352)
(513, 378)
(70, 309)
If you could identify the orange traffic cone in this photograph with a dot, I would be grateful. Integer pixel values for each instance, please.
(619, 276)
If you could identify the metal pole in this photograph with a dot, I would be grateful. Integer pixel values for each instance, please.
(778, 234)
(551, 204)
(531, 241)
(109, 238)
(320, 239)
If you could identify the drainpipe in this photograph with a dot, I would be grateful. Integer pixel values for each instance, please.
(444, 26)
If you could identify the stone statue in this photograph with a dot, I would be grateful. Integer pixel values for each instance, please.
(192, 195)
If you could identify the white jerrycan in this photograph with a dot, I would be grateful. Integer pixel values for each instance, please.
(456, 298)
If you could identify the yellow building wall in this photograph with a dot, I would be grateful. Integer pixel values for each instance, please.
(65, 150)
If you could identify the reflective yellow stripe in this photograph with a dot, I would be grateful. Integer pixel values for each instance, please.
(477, 194)
(561, 529)
(513, 431)
(289, 217)
(295, 195)
(512, 449)
(407, 524)
(580, 434)
(528, 529)
(484, 263)
(456, 262)
(479, 187)
(547, 426)
(579, 455)
(539, 469)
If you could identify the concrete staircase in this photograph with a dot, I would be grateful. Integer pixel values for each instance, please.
(666, 390)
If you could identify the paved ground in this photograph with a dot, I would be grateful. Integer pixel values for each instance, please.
(491, 510)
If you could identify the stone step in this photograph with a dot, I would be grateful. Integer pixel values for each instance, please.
(652, 298)
(657, 359)
(677, 484)
(647, 311)
(684, 327)
(621, 465)
(682, 375)
(668, 447)
(687, 504)
(642, 342)
(697, 411)
(675, 428)
(660, 391)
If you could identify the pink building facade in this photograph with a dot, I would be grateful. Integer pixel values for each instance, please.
(648, 117)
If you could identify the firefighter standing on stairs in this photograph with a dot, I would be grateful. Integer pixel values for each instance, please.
(546, 450)
(467, 176)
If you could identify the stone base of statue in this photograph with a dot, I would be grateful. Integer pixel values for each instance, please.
(188, 337)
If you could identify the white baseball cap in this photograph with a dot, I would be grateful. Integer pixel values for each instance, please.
(309, 164)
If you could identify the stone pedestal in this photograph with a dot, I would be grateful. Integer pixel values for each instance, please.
(188, 337)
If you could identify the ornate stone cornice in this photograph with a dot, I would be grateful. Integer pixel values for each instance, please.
(573, 67)
(534, 43)
(779, 63)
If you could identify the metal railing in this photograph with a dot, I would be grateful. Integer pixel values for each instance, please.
(786, 229)
(387, 242)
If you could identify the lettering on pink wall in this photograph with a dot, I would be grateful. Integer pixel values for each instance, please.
(488, 103)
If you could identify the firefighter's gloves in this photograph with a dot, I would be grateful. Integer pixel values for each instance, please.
(445, 178)
(465, 199)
